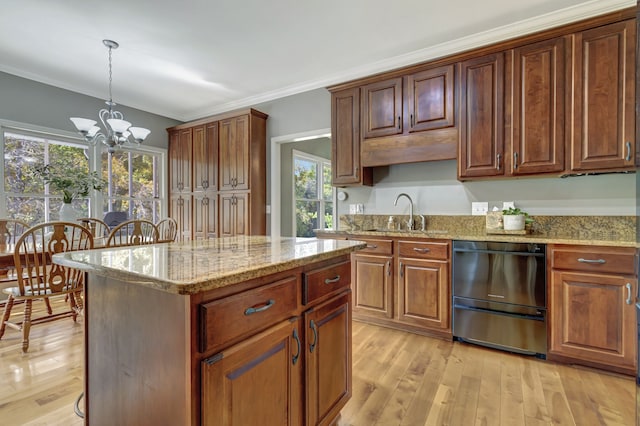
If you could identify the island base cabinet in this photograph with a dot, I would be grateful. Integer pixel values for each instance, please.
(234, 381)
(593, 320)
(328, 359)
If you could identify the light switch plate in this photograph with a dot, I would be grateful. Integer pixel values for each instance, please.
(508, 204)
(479, 208)
(352, 209)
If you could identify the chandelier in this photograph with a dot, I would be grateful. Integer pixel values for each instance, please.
(117, 131)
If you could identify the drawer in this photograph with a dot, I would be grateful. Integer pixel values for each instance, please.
(323, 281)
(230, 319)
(424, 250)
(614, 260)
(374, 245)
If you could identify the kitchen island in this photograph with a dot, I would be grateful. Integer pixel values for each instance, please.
(240, 330)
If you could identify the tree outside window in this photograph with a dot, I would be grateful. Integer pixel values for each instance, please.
(313, 194)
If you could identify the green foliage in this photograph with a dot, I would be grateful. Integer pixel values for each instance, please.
(72, 182)
(515, 211)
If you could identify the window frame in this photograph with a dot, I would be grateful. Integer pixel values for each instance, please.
(320, 161)
(94, 152)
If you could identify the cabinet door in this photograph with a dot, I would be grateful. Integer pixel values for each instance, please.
(205, 218)
(423, 293)
(482, 117)
(592, 318)
(234, 214)
(180, 210)
(430, 99)
(372, 283)
(180, 149)
(382, 108)
(234, 381)
(345, 138)
(328, 359)
(205, 157)
(604, 78)
(234, 153)
(538, 108)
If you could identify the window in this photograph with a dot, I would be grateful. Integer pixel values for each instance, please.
(313, 194)
(136, 176)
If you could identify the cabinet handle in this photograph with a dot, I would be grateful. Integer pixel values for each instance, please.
(372, 246)
(515, 160)
(205, 201)
(399, 128)
(332, 280)
(401, 270)
(498, 161)
(412, 122)
(628, 157)
(205, 184)
(421, 250)
(628, 286)
(388, 268)
(599, 261)
(314, 328)
(262, 308)
(294, 359)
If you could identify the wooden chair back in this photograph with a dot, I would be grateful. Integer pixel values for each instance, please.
(11, 230)
(37, 275)
(97, 227)
(167, 230)
(133, 233)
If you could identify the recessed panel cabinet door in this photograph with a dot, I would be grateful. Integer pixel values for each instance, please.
(482, 117)
(205, 157)
(234, 381)
(205, 216)
(234, 153)
(382, 108)
(604, 108)
(180, 148)
(538, 115)
(372, 285)
(345, 137)
(180, 210)
(430, 99)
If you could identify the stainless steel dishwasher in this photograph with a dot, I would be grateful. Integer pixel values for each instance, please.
(499, 295)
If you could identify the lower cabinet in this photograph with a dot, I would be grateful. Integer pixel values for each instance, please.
(234, 381)
(592, 307)
(328, 359)
(234, 214)
(373, 285)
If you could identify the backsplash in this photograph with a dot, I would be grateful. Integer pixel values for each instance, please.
(620, 228)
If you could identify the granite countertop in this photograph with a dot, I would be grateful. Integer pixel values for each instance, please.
(196, 266)
(529, 238)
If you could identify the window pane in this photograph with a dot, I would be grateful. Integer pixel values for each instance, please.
(327, 189)
(306, 218)
(305, 179)
(328, 215)
(143, 175)
(21, 156)
(116, 205)
(27, 209)
(119, 174)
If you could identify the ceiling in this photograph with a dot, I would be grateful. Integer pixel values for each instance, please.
(186, 60)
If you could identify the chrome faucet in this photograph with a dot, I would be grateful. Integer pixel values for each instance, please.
(410, 221)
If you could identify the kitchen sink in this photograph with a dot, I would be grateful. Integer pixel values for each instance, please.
(406, 231)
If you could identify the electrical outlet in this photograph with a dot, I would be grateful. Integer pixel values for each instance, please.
(508, 204)
(352, 209)
(479, 208)
(359, 208)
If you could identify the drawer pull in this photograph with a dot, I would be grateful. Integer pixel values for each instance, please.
(294, 359)
(332, 280)
(628, 286)
(264, 307)
(628, 156)
(314, 328)
(421, 250)
(599, 261)
(371, 246)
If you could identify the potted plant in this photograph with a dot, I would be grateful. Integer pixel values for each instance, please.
(72, 183)
(514, 219)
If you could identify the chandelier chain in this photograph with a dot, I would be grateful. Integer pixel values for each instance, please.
(110, 78)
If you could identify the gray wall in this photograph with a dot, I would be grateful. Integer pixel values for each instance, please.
(318, 147)
(30, 102)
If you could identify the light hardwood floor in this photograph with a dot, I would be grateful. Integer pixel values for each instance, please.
(398, 379)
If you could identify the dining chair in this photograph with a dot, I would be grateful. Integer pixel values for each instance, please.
(133, 232)
(38, 277)
(167, 230)
(98, 228)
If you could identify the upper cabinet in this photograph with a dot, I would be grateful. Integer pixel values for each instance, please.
(382, 108)
(345, 139)
(604, 106)
(234, 153)
(482, 117)
(180, 147)
(205, 157)
(430, 102)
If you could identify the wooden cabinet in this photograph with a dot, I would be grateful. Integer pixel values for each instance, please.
(536, 125)
(345, 140)
(372, 280)
(328, 359)
(604, 106)
(482, 117)
(220, 155)
(234, 214)
(430, 99)
(424, 295)
(592, 306)
(382, 108)
(180, 208)
(234, 380)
